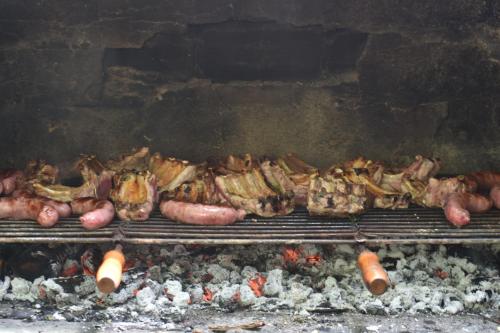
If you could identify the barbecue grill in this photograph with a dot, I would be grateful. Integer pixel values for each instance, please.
(409, 226)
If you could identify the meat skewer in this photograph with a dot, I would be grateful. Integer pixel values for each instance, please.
(95, 213)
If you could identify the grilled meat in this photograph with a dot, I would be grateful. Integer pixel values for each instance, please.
(276, 177)
(41, 172)
(8, 180)
(96, 183)
(200, 214)
(388, 187)
(233, 164)
(495, 196)
(200, 190)
(94, 213)
(458, 206)
(170, 172)
(134, 194)
(334, 195)
(136, 160)
(300, 173)
(486, 180)
(31, 208)
(63, 209)
(250, 192)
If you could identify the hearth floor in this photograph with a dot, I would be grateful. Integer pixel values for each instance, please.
(408, 226)
(274, 322)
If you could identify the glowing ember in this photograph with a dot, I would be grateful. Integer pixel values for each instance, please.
(290, 255)
(207, 294)
(313, 260)
(256, 284)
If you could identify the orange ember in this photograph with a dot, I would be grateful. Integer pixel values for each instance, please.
(257, 284)
(207, 294)
(291, 255)
(313, 260)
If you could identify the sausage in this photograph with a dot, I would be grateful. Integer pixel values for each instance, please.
(96, 213)
(458, 206)
(30, 209)
(63, 209)
(495, 196)
(8, 179)
(200, 214)
(484, 180)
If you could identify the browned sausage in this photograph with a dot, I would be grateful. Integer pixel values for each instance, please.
(63, 209)
(30, 209)
(495, 196)
(96, 213)
(8, 179)
(485, 180)
(458, 206)
(200, 214)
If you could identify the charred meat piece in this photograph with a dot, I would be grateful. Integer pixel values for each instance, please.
(250, 192)
(96, 183)
(300, 173)
(435, 193)
(200, 190)
(94, 213)
(200, 214)
(41, 172)
(170, 172)
(136, 160)
(333, 195)
(134, 194)
(233, 164)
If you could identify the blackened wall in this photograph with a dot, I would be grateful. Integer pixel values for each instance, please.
(329, 80)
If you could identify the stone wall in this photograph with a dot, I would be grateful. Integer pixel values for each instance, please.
(329, 80)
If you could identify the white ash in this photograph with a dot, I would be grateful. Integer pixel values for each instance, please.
(4, 286)
(425, 278)
(274, 283)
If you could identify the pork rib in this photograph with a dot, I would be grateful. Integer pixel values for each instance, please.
(96, 183)
(170, 172)
(250, 192)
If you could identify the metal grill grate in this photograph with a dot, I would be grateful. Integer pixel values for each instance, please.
(415, 225)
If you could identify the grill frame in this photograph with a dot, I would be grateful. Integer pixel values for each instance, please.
(409, 226)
